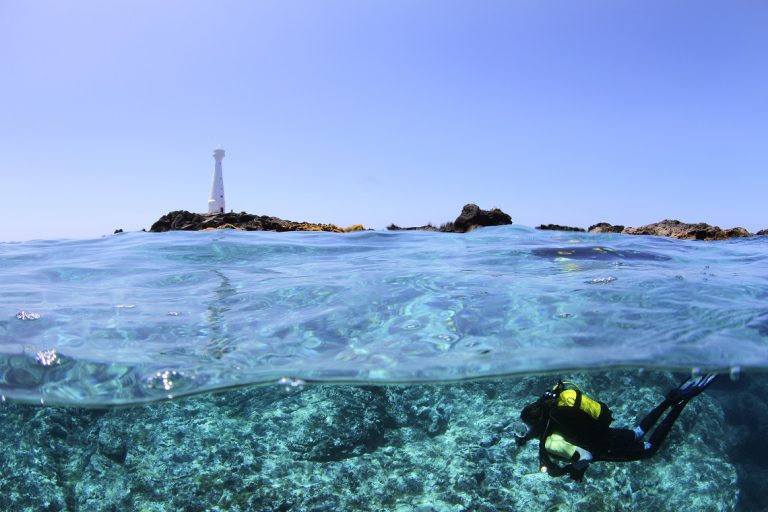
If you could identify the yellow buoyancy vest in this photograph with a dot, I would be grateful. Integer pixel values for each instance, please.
(559, 447)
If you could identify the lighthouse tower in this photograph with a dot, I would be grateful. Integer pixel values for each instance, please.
(216, 201)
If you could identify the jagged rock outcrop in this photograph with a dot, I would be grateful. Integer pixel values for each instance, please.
(677, 229)
(558, 227)
(762, 232)
(471, 217)
(604, 227)
(182, 220)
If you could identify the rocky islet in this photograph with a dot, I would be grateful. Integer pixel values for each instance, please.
(471, 217)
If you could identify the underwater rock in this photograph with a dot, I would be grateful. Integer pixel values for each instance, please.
(352, 421)
(111, 444)
(420, 407)
(188, 221)
(677, 229)
(604, 227)
(557, 227)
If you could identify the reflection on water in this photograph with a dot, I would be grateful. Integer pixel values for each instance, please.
(218, 308)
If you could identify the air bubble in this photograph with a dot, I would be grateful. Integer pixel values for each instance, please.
(47, 357)
(602, 280)
(735, 373)
(27, 315)
(290, 384)
(164, 379)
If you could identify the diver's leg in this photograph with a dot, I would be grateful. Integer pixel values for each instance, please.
(624, 446)
(651, 418)
(684, 392)
(660, 433)
(621, 446)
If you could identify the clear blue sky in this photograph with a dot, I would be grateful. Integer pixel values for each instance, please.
(569, 112)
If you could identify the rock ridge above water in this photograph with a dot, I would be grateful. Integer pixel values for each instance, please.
(182, 220)
(668, 228)
(677, 229)
(471, 217)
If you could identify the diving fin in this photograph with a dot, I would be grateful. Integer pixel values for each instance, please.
(691, 387)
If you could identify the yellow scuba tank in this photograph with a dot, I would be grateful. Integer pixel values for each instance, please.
(573, 397)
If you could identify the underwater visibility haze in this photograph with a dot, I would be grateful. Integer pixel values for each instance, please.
(373, 370)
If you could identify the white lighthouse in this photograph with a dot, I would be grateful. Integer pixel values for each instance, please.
(216, 201)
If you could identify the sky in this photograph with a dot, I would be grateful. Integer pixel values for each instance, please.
(380, 112)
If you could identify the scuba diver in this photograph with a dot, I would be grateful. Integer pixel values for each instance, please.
(574, 428)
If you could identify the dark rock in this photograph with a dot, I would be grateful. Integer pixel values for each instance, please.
(677, 229)
(428, 227)
(762, 232)
(419, 407)
(472, 217)
(117, 231)
(557, 227)
(182, 220)
(352, 419)
(604, 227)
(111, 443)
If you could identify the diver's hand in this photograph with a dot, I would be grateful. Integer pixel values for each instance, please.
(577, 469)
(523, 435)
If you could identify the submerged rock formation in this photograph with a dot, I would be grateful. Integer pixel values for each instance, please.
(336, 447)
(677, 229)
(187, 221)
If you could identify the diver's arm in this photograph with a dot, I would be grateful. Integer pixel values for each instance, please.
(575, 470)
(546, 464)
(578, 465)
(529, 434)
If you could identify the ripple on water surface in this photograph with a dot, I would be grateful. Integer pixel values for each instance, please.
(146, 316)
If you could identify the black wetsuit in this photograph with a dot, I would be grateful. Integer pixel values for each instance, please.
(604, 443)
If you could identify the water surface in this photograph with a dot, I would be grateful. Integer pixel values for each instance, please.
(143, 316)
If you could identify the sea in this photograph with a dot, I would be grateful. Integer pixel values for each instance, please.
(375, 370)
